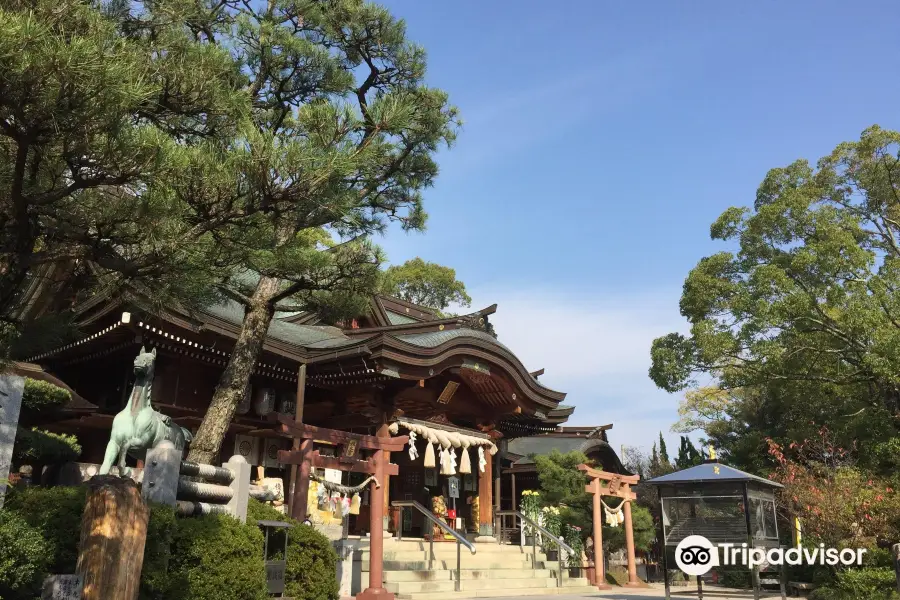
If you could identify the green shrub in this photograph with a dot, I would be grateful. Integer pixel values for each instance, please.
(215, 557)
(311, 561)
(36, 445)
(42, 396)
(56, 513)
(735, 578)
(861, 584)
(160, 535)
(24, 558)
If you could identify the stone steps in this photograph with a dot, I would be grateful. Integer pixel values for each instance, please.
(466, 562)
(567, 590)
(415, 555)
(477, 585)
(450, 575)
(494, 571)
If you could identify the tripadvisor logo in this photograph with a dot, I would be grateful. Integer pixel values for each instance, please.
(695, 555)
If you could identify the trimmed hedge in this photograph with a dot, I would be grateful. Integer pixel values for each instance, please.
(41, 396)
(160, 534)
(24, 558)
(215, 557)
(37, 445)
(212, 557)
(311, 560)
(55, 513)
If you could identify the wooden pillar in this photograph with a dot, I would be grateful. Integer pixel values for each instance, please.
(388, 511)
(113, 533)
(376, 531)
(599, 571)
(512, 484)
(295, 445)
(384, 432)
(497, 487)
(629, 545)
(300, 497)
(485, 500)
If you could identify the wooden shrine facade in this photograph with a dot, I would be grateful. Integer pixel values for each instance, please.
(398, 361)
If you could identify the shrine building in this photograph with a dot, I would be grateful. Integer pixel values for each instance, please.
(400, 367)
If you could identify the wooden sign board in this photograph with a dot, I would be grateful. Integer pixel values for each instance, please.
(63, 587)
(448, 392)
(350, 451)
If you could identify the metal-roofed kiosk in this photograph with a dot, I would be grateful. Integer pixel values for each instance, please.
(722, 504)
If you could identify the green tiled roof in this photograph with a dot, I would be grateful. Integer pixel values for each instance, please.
(398, 319)
(308, 336)
(545, 444)
(433, 339)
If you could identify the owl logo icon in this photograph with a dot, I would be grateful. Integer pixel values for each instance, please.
(696, 555)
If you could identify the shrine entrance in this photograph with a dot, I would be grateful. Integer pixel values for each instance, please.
(617, 486)
(348, 459)
(448, 470)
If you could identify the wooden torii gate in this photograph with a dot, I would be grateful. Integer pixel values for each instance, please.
(348, 459)
(604, 483)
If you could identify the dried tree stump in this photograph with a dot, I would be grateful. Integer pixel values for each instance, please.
(113, 533)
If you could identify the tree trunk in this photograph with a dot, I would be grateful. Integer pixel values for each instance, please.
(113, 533)
(208, 441)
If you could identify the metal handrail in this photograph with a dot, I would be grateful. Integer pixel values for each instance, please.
(460, 540)
(561, 544)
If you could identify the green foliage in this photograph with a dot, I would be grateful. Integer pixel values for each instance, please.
(311, 558)
(39, 396)
(84, 161)
(736, 578)
(160, 534)
(39, 446)
(215, 557)
(339, 144)
(861, 584)
(56, 514)
(24, 558)
(688, 455)
(573, 536)
(35, 445)
(663, 452)
(804, 307)
(659, 459)
(426, 284)
(562, 485)
(642, 524)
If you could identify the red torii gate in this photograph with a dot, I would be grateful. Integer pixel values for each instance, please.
(618, 486)
(347, 460)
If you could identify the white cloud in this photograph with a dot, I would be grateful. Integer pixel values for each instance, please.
(596, 348)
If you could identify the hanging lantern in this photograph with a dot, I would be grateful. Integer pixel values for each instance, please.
(288, 405)
(264, 402)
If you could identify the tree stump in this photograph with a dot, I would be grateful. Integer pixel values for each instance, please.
(113, 533)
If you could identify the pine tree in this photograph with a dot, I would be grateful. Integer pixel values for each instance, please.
(339, 144)
(96, 116)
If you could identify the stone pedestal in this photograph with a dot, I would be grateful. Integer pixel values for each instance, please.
(11, 388)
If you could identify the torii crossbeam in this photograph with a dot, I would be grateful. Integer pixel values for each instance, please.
(604, 483)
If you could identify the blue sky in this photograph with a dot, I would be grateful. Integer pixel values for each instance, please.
(602, 139)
